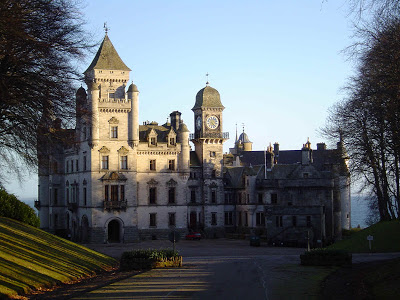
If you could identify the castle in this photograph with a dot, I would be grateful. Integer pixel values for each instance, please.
(113, 180)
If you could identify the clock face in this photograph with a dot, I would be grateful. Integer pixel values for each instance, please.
(198, 123)
(212, 122)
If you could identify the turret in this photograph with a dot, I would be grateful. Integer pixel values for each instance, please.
(306, 154)
(184, 157)
(175, 117)
(93, 89)
(133, 95)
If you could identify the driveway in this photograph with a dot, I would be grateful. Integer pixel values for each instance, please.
(221, 269)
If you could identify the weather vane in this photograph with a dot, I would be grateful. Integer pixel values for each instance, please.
(243, 126)
(106, 28)
(207, 83)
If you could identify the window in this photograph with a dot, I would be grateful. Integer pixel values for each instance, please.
(84, 196)
(67, 196)
(294, 221)
(153, 220)
(77, 166)
(172, 141)
(114, 132)
(240, 198)
(212, 153)
(248, 198)
(55, 200)
(104, 162)
(106, 188)
(213, 196)
(279, 221)
(239, 218)
(214, 218)
(274, 198)
(114, 193)
(153, 141)
(153, 195)
(67, 167)
(308, 221)
(228, 218)
(171, 164)
(171, 195)
(193, 196)
(124, 162)
(260, 219)
(122, 192)
(305, 175)
(260, 198)
(246, 219)
(213, 173)
(84, 133)
(72, 166)
(152, 164)
(84, 163)
(171, 219)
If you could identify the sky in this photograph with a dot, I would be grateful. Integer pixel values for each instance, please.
(278, 65)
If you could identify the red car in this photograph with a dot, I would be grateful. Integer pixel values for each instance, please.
(193, 236)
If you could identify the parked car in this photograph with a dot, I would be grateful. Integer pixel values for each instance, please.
(193, 236)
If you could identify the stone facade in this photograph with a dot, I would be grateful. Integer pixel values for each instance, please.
(113, 180)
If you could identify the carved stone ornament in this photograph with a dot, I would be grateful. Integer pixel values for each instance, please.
(171, 182)
(123, 151)
(104, 149)
(152, 182)
(113, 120)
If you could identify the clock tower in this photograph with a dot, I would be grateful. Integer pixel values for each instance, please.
(208, 140)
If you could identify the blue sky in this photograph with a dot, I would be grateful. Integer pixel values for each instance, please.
(277, 64)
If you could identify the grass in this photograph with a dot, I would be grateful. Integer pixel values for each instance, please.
(382, 281)
(386, 239)
(32, 259)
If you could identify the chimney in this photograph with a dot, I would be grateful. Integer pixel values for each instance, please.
(175, 117)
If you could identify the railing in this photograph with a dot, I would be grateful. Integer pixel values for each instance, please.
(115, 205)
(209, 135)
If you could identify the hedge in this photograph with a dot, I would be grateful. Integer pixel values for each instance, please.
(326, 257)
(149, 259)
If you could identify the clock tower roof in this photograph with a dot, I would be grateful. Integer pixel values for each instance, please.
(208, 97)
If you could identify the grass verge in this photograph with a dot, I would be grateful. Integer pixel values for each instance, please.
(32, 259)
(386, 239)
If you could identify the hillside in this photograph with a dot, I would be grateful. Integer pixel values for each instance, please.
(386, 238)
(32, 259)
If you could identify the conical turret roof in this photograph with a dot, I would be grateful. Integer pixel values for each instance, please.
(107, 58)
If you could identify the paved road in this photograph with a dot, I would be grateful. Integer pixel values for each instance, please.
(222, 269)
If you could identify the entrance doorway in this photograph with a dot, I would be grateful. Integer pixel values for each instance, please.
(114, 232)
(193, 220)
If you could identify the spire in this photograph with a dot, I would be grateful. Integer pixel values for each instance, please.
(107, 57)
(236, 134)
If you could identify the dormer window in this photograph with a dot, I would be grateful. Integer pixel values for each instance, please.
(172, 141)
(153, 141)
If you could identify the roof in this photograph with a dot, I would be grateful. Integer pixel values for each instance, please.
(107, 58)
(243, 137)
(162, 132)
(208, 97)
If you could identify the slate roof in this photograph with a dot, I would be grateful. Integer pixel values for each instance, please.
(107, 58)
(208, 97)
(162, 132)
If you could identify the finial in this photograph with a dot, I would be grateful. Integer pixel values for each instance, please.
(207, 83)
(243, 127)
(106, 28)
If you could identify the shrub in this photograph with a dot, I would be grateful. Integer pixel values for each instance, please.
(150, 258)
(326, 257)
(11, 207)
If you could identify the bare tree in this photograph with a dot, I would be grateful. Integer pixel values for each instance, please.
(368, 121)
(39, 42)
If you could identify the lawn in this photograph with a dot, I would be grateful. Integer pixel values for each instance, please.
(33, 259)
(386, 238)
